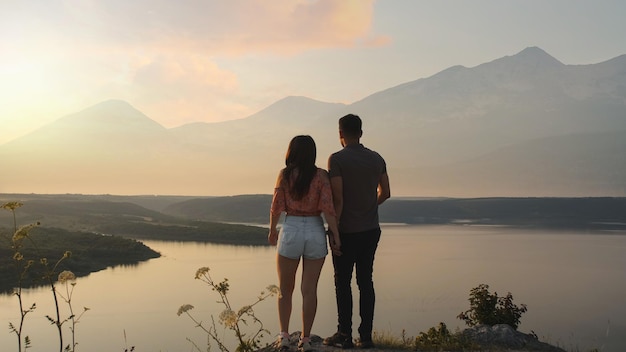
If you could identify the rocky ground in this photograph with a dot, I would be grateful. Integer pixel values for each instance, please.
(498, 338)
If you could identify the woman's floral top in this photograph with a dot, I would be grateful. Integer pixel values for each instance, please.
(318, 200)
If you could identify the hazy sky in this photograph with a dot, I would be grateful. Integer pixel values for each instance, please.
(210, 60)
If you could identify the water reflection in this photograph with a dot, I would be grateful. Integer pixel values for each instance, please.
(573, 284)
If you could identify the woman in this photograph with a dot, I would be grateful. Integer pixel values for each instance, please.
(303, 193)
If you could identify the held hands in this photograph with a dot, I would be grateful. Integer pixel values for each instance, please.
(272, 238)
(335, 242)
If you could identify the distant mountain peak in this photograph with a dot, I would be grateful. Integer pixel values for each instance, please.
(294, 107)
(535, 56)
(536, 52)
(113, 111)
(114, 102)
(112, 106)
(297, 99)
(530, 62)
(533, 50)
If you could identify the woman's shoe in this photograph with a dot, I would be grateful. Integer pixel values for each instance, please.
(283, 341)
(305, 345)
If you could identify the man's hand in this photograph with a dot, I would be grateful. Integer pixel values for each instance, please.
(335, 243)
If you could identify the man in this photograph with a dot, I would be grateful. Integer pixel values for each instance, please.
(359, 182)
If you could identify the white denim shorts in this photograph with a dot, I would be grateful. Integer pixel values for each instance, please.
(302, 236)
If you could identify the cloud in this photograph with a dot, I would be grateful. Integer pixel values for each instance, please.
(183, 88)
(162, 55)
(235, 27)
(195, 71)
(288, 27)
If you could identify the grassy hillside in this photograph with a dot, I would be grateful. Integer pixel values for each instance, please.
(242, 208)
(100, 233)
(124, 218)
(585, 213)
(89, 253)
(198, 218)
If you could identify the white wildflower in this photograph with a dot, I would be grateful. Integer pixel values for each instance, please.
(22, 232)
(273, 289)
(201, 272)
(184, 309)
(228, 318)
(11, 205)
(66, 275)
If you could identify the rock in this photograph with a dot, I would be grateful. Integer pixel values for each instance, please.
(499, 338)
(503, 336)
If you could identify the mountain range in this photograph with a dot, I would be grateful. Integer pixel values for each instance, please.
(518, 126)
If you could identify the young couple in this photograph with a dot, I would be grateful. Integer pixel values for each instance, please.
(348, 196)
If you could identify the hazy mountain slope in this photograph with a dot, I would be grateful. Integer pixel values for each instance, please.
(266, 133)
(518, 124)
(247, 153)
(110, 143)
(108, 123)
(572, 165)
(463, 112)
(291, 115)
(108, 148)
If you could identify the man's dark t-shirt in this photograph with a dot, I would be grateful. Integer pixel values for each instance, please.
(360, 169)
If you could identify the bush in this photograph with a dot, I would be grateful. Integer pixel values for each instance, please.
(489, 309)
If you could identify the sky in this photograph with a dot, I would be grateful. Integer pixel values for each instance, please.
(213, 60)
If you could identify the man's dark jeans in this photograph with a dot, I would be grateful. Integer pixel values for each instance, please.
(358, 249)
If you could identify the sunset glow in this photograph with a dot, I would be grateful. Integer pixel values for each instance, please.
(181, 62)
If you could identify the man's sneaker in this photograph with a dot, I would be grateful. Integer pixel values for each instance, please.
(339, 340)
(305, 345)
(364, 344)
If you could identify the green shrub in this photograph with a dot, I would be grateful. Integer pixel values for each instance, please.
(489, 309)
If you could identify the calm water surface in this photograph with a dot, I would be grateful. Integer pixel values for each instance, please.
(573, 283)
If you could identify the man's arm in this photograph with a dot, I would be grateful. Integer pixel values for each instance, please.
(384, 191)
(336, 184)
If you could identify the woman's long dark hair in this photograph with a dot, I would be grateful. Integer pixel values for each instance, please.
(300, 162)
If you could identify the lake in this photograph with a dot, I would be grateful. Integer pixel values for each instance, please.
(574, 284)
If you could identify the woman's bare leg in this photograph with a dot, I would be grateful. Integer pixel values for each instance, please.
(311, 269)
(287, 280)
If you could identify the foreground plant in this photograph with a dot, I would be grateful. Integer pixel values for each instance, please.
(49, 273)
(386, 340)
(230, 318)
(441, 339)
(68, 279)
(489, 309)
(23, 268)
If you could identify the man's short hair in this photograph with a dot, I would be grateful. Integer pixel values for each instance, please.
(350, 125)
